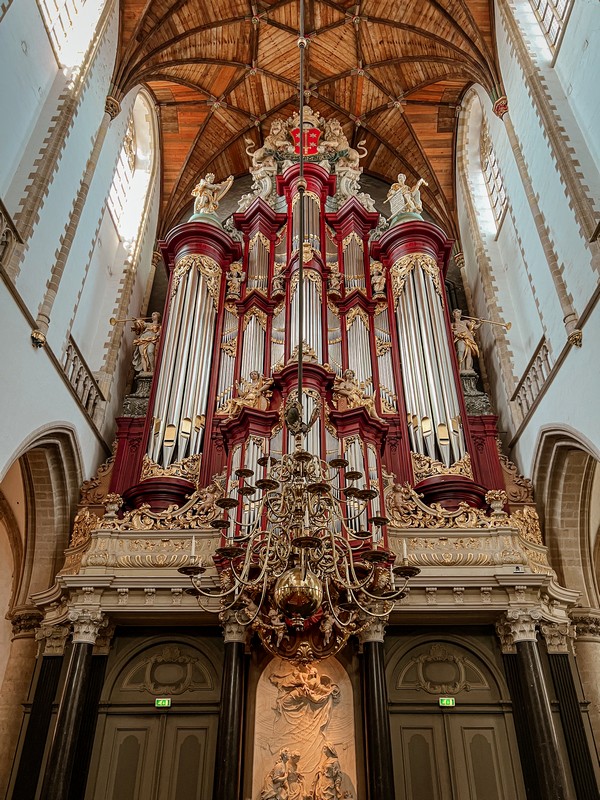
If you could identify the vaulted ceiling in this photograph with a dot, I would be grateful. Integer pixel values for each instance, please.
(392, 71)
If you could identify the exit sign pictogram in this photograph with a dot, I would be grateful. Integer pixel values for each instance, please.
(447, 701)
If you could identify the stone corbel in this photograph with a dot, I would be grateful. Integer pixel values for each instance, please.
(517, 625)
(51, 639)
(558, 636)
(587, 624)
(25, 622)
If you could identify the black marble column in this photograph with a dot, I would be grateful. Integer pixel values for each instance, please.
(228, 760)
(582, 767)
(380, 768)
(61, 758)
(34, 743)
(552, 779)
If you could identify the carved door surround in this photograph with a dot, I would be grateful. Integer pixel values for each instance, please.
(143, 752)
(465, 752)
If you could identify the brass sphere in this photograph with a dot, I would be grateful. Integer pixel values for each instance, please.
(298, 593)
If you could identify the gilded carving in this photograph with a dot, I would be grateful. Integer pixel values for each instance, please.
(357, 311)
(188, 468)
(207, 266)
(85, 522)
(402, 268)
(527, 521)
(95, 489)
(518, 488)
(425, 466)
(348, 393)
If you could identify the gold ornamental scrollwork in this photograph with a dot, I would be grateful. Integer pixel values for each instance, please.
(402, 268)
(353, 313)
(207, 267)
(85, 522)
(188, 468)
(425, 466)
(526, 519)
(406, 509)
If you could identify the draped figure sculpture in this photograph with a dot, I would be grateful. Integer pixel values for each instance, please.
(148, 334)
(208, 193)
(403, 199)
(463, 331)
(327, 784)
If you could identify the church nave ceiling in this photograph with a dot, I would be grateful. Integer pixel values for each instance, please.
(392, 72)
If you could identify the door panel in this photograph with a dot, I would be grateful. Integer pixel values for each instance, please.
(454, 756)
(480, 755)
(421, 772)
(187, 761)
(129, 752)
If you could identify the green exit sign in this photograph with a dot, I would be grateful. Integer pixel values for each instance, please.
(162, 702)
(446, 701)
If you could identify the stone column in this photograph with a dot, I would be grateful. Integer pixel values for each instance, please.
(51, 640)
(228, 759)
(587, 653)
(380, 767)
(15, 686)
(518, 634)
(558, 638)
(61, 759)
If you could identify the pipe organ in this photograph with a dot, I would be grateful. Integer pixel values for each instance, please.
(380, 377)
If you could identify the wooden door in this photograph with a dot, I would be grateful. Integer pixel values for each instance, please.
(169, 757)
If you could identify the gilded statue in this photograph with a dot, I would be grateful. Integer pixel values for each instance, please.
(255, 393)
(377, 279)
(147, 336)
(403, 199)
(235, 276)
(327, 784)
(463, 331)
(208, 194)
(348, 393)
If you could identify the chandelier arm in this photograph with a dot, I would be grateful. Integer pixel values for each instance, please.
(332, 607)
(204, 593)
(369, 611)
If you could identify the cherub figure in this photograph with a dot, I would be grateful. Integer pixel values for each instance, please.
(235, 276)
(208, 193)
(377, 279)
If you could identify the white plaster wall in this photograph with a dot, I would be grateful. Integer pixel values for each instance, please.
(34, 397)
(25, 55)
(520, 268)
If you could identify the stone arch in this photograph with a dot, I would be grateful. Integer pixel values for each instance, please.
(133, 671)
(566, 478)
(467, 669)
(38, 499)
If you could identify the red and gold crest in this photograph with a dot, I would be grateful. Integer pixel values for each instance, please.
(310, 140)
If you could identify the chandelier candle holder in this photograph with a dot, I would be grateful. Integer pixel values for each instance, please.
(303, 564)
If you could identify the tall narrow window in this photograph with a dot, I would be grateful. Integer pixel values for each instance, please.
(552, 16)
(123, 176)
(491, 174)
(70, 25)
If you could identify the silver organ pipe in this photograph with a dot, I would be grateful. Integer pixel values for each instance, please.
(258, 262)
(429, 388)
(227, 366)
(335, 341)
(182, 393)
(354, 262)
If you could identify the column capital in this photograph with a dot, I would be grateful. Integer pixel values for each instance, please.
(156, 258)
(52, 639)
(25, 622)
(233, 631)
(104, 639)
(558, 636)
(86, 624)
(587, 624)
(517, 625)
(459, 259)
(374, 631)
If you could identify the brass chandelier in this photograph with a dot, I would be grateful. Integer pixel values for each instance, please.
(303, 564)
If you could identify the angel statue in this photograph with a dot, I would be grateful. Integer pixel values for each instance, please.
(403, 199)
(208, 193)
